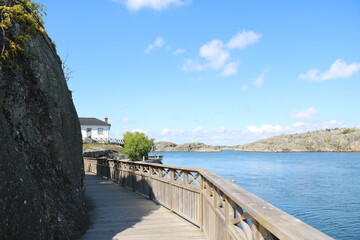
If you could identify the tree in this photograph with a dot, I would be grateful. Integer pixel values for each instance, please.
(137, 145)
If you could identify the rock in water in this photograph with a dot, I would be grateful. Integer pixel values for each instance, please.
(41, 166)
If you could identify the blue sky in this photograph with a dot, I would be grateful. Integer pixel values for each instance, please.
(219, 72)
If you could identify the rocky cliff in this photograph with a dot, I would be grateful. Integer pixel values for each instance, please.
(41, 167)
(328, 140)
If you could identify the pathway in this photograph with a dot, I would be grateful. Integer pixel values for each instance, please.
(119, 213)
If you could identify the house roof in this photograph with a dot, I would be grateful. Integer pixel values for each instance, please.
(93, 122)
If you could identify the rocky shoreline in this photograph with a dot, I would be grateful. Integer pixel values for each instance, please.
(186, 147)
(328, 140)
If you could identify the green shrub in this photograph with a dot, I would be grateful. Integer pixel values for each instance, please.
(137, 145)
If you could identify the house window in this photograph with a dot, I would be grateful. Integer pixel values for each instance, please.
(100, 131)
(88, 132)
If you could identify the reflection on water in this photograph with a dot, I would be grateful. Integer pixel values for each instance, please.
(321, 189)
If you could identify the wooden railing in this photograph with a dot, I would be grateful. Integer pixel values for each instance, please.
(220, 208)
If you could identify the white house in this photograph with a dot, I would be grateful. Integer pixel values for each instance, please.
(95, 128)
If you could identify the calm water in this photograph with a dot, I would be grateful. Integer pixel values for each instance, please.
(321, 189)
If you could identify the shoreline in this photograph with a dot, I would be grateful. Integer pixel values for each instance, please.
(263, 151)
(327, 140)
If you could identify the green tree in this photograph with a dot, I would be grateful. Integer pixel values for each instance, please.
(137, 145)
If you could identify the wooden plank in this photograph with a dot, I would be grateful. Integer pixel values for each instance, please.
(118, 213)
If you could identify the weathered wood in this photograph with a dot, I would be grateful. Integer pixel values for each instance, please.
(220, 208)
(279, 223)
(118, 213)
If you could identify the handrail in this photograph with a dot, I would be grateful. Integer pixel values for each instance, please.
(220, 208)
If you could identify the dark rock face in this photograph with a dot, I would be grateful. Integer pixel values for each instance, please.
(41, 166)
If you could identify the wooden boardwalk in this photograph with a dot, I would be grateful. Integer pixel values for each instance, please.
(119, 213)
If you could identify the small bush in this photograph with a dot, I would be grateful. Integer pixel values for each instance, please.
(137, 145)
(348, 130)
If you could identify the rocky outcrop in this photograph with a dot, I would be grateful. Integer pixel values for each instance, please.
(186, 147)
(106, 153)
(41, 166)
(328, 140)
(111, 151)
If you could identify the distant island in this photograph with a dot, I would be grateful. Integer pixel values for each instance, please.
(328, 140)
(186, 147)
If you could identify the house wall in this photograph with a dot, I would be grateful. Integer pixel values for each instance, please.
(95, 133)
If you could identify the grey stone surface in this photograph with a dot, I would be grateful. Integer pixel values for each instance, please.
(41, 166)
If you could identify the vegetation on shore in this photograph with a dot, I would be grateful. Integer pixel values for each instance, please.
(137, 145)
(89, 147)
(327, 140)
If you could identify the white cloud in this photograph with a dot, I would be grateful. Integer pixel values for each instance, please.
(159, 42)
(231, 137)
(243, 39)
(220, 136)
(157, 5)
(192, 65)
(216, 54)
(222, 130)
(266, 128)
(171, 132)
(305, 114)
(230, 68)
(198, 130)
(259, 81)
(139, 130)
(298, 124)
(330, 124)
(179, 51)
(339, 69)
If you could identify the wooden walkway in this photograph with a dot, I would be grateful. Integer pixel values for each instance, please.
(119, 213)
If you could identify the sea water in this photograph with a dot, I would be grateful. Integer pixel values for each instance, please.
(321, 189)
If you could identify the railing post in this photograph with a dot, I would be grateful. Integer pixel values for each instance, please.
(159, 173)
(150, 182)
(133, 176)
(215, 197)
(256, 231)
(227, 218)
(171, 188)
(111, 169)
(186, 178)
(122, 173)
(201, 203)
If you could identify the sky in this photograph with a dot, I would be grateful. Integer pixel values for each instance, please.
(218, 72)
